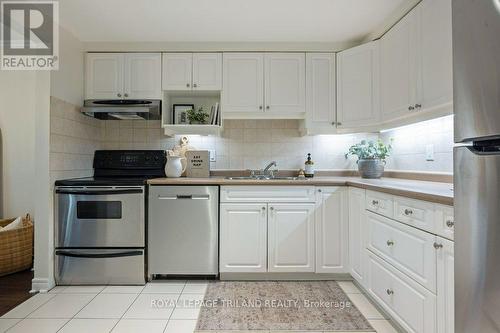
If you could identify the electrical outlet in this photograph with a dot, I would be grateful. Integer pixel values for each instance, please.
(429, 152)
(212, 155)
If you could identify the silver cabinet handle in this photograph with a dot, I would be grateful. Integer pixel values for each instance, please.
(339, 124)
(271, 208)
(263, 208)
(195, 85)
(188, 85)
(182, 196)
(411, 108)
(260, 107)
(438, 246)
(319, 190)
(126, 95)
(119, 95)
(418, 106)
(389, 292)
(450, 223)
(408, 212)
(375, 202)
(390, 243)
(333, 123)
(267, 107)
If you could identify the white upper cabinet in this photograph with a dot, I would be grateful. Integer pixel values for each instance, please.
(358, 103)
(285, 82)
(104, 75)
(398, 69)
(192, 71)
(142, 75)
(207, 71)
(291, 237)
(416, 64)
(177, 71)
(435, 89)
(123, 75)
(320, 92)
(332, 232)
(243, 83)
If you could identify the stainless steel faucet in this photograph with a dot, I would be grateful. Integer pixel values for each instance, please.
(266, 169)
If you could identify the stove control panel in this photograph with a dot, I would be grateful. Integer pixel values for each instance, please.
(129, 159)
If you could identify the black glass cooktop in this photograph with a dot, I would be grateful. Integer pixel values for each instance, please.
(103, 181)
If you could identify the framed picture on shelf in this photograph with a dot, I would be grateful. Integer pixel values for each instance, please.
(179, 113)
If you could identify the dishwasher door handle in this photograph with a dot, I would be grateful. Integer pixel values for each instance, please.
(183, 197)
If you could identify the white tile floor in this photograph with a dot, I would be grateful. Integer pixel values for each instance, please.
(128, 309)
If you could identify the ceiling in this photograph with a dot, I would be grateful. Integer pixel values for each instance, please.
(225, 20)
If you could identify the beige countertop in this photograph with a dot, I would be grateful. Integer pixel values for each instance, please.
(423, 190)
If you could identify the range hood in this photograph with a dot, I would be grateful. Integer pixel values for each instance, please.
(123, 109)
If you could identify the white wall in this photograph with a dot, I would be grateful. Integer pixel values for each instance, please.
(17, 126)
(67, 82)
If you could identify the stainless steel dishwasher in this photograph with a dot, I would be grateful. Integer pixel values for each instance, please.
(183, 230)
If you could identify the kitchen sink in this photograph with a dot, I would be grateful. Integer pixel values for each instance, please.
(262, 178)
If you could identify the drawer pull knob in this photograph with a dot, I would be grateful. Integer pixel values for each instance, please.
(450, 223)
(438, 246)
(389, 292)
(375, 202)
(408, 212)
(390, 243)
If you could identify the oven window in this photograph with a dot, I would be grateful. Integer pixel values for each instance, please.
(99, 209)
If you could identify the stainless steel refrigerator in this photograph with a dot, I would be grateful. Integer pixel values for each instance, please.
(476, 77)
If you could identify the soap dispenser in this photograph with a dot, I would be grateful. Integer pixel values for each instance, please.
(309, 167)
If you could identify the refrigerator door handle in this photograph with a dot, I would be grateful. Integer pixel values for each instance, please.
(82, 254)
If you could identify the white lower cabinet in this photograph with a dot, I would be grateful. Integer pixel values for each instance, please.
(332, 231)
(445, 286)
(357, 234)
(410, 304)
(291, 237)
(243, 237)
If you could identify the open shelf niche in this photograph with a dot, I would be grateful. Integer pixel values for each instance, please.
(205, 99)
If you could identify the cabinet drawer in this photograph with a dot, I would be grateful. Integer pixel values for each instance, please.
(444, 221)
(408, 249)
(260, 193)
(419, 214)
(380, 203)
(410, 304)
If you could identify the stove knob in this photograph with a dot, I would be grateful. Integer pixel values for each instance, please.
(156, 158)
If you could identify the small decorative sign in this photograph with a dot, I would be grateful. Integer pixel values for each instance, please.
(198, 164)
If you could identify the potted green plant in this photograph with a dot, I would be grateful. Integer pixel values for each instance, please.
(371, 157)
(197, 116)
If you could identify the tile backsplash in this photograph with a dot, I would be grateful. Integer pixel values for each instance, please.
(410, 144)
(244, 144)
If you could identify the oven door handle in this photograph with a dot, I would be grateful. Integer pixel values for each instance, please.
(103, 192)
(78, 254)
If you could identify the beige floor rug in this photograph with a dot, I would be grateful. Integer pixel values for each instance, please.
(317, 306)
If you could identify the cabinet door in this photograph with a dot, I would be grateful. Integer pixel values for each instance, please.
(142, 75)
(445, 287)
(320, 91)
(104, 75)
(435, 87)
(207, 71)
(357, 234)
(285, 82)
(332, 230)
(243, 83)
(291, 237)
(358, 86)
(177, 71)
(398, 69)
(243, 237)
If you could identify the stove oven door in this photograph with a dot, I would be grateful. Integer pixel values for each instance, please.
(100, 217)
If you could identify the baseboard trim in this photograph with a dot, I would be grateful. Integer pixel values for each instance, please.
(284, 276)
(41, 285)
